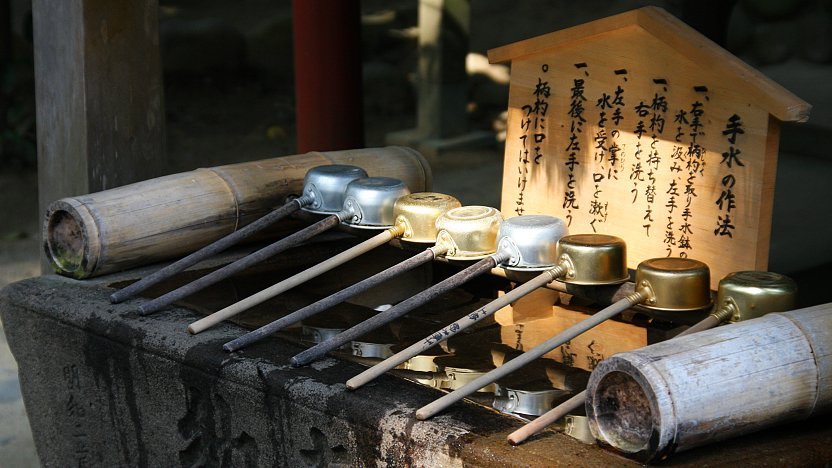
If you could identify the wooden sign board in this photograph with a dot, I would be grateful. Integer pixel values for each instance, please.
(639, 127)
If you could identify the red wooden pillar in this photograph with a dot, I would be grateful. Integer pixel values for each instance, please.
(327, 49)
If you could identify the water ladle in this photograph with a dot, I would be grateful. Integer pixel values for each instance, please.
(586, 259)
(399, 217)
(453, 232)
(663, 284)
(323, 188)
(370, 191)
(466, 233)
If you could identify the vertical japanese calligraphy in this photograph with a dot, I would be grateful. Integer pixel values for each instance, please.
(577, 121)
(663, 157)
(532, 136)
(687, 162)
(608, 155)
(75, 408)
(730, 161)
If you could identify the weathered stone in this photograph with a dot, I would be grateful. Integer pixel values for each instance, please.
(104, 386)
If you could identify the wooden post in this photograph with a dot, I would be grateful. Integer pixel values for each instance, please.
(443, 82)
(441, 110)
(100, 118)
(327, 48)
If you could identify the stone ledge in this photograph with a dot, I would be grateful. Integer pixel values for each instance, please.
(107, 387)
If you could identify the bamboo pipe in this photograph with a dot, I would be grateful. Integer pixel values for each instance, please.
(584, 258)
(674, 284)
(170, 216)
(373, 192)
(650, 403)
(323, 191)
(742, 294)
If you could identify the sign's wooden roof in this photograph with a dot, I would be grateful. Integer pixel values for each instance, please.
(690, 44)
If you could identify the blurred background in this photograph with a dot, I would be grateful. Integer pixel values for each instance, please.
(229, 97)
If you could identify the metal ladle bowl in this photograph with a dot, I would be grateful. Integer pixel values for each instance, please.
(593, 259)
(751, 294)
(417, 214)
(325, 186)
(469, 232)
(371, 200)
(675, 284)
(526, 398)
(530, 242)
(463, 369)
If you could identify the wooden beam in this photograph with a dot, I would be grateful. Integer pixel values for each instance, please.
(100, 117)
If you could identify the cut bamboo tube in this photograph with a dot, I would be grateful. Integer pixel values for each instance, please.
(170, 216)
(741, 294)
(576, 401)
(323, 192)
(713, 385)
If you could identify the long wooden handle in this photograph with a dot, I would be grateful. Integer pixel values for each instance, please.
(331, 301)
(457, 327)
(258, 298)
(209, 250)
(248, 261)
(319, 350)
(529, 356)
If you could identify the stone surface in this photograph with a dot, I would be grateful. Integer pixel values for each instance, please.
(104, 386)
